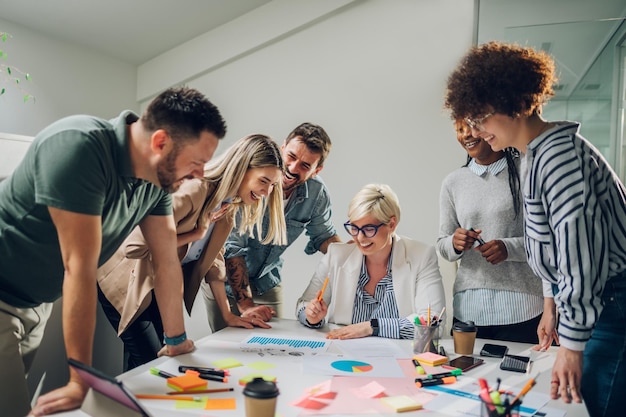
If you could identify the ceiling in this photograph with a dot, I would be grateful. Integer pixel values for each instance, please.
(136, 31)
(132, 31)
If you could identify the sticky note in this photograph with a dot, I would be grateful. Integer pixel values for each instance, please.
(227, 363)
(187, 382)
(401, 403)
(430, 358)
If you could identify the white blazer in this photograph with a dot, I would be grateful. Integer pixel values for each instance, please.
(415, 276)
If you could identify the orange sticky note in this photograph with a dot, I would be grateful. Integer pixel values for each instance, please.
(220, 404)
(187, 382)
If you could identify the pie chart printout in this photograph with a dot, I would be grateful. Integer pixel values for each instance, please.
(352, 366)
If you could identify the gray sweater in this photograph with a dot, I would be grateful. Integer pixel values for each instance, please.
(484, 203)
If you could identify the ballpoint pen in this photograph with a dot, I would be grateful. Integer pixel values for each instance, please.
(478, 239)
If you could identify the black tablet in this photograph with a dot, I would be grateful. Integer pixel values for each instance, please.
(107, 386)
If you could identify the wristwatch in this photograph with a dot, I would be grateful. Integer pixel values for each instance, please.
(375, 328)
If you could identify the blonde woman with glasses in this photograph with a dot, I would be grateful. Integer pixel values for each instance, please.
(377, 284)
(243, 182)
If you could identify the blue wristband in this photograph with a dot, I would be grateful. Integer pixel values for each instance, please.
(176, 340)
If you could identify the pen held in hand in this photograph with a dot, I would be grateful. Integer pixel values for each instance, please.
(478, 239)
(320, 295)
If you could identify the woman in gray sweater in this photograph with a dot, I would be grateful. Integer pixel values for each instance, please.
(482, 227)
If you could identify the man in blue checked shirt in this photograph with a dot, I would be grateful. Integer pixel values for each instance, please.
(253, 269)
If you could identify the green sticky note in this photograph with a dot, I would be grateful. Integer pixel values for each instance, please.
(227, 363)
(261, 366)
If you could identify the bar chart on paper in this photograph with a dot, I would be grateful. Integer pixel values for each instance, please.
(318, 345)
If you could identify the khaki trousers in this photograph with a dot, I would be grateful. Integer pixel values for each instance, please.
(21, 331)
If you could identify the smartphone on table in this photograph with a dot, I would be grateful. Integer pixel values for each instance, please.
(490, 350)
(465, 362)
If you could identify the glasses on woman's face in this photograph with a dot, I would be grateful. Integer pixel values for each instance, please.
(369, 230)
(477, 124)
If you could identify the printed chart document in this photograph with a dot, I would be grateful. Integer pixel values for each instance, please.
(372, 347)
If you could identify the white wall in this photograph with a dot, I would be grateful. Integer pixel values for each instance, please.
(373, 75)
(66, 80)
(371, 72)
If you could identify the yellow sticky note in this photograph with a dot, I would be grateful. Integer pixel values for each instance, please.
(401, 403)
(227, 363)
(260, 365)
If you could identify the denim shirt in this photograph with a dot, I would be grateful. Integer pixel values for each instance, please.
(308, 208)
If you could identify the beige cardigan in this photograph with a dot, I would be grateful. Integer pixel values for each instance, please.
(127, 279)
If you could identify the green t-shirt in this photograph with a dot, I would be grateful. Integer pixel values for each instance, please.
(79, 164)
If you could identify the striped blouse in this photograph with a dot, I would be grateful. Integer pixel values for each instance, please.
(575, 212)
(382, 305)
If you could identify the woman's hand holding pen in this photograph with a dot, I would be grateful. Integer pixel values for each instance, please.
(316, 310)
(493, 251)
(464, 239)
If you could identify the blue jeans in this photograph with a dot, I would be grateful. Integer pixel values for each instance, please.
(604, 359)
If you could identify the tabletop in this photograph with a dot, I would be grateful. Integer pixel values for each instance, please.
(300, 370)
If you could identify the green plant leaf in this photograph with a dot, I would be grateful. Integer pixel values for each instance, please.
(17, 81)
(28, 97)
(2, 91)
(3, 54)
(4, 37)
(9, 70)
(27, 77)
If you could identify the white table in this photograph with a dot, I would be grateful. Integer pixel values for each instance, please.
(292, 381)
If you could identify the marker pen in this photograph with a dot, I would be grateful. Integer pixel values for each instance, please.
(454, 372)
(213, 377)
(204, 370)
(162, 374)
(435, 381)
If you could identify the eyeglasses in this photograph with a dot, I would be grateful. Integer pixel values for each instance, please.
(369, 230)
(477, 124)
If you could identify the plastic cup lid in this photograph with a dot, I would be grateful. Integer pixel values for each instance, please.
(464, 327)
(260, 388)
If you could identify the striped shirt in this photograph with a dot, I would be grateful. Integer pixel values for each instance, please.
(575, 212)
(381, 305)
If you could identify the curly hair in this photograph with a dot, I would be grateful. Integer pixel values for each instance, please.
(503, 78)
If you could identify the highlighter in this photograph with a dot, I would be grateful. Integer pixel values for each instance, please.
(434, 381)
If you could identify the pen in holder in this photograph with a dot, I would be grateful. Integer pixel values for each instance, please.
(499, 405)
(426, 338)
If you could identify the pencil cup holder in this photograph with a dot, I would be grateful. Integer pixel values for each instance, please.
(491, 409)
(426, 338)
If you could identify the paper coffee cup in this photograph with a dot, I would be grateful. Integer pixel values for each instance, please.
(260, 398)
(464, 335)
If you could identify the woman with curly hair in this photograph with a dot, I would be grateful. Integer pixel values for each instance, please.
(575, 217)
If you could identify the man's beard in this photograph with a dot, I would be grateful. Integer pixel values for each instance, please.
(166, 172)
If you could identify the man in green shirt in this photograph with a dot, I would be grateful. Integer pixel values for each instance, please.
(83, 185)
